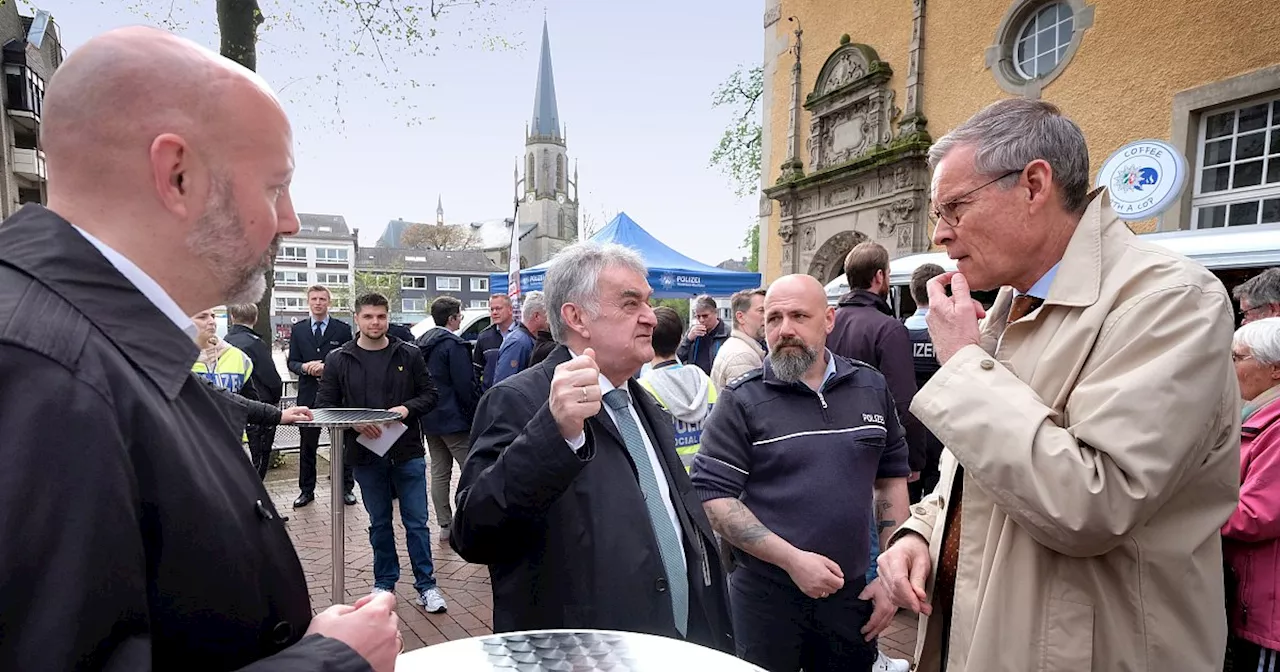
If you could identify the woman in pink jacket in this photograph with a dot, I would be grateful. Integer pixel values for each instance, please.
(1251, 542)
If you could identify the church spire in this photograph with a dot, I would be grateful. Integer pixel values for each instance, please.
(546, 118)
(440, 210)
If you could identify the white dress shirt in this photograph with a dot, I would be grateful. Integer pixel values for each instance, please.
(659, 473)
(143, 282)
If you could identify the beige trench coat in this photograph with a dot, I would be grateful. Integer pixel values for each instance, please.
(1100, 437)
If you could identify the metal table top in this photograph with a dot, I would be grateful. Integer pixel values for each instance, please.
(343, 418)
(569, 651)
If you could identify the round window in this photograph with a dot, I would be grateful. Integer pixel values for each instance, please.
(1043, 40)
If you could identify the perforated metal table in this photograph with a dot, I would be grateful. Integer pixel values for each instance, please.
(338, 421)
(569, 651)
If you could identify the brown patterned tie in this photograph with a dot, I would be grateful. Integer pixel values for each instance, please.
(1022, 306)
(944, 586)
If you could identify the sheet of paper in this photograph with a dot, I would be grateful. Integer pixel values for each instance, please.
(382, 444)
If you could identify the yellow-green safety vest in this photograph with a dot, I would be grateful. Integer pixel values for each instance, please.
(231, 372)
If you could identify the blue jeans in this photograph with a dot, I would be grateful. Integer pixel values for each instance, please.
(410, 480)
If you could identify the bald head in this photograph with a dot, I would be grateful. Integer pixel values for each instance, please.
(175, 157)
(113, 96)
(797, 321)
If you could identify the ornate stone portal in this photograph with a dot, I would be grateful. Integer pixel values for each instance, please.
(864, 182)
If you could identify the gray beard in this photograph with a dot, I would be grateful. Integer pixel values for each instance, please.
(219, 239)
(790, 366)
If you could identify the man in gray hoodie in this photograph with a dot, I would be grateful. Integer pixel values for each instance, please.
(683, 391)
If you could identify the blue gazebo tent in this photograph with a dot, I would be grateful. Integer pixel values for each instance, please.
(671, 274)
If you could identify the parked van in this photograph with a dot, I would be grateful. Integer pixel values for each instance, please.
(1234, 254)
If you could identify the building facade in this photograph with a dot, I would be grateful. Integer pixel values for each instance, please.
(412, 279)
(855, 93)
(32, 51)
(322, 253)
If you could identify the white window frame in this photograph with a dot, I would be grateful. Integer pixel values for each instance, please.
(448, 283)
(413, 282)
(332, 278)
(287, 257)
(323, 255)
(479, 284)
(480, 303)
(1059, 49)
(283, 303)
(405, 304)
(1270, 152)
(300, 278)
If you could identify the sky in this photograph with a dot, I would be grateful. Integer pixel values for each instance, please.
(634, 81)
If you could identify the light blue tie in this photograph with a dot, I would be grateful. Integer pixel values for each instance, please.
(668, 541)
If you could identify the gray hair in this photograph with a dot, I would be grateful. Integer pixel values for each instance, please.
(705, 302)
(1262, 337)
(533, 303)
(1009, 134)
(1262, 289)
(573, 277)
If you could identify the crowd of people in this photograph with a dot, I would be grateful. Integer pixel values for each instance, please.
(1080, 475)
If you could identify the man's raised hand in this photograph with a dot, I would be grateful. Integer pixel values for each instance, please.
(575, 394)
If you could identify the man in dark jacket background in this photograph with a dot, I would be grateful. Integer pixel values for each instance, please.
(707, 333)
(135, 534)
(311, 342)
(265, 384)
(447, 426)
(867, 331)
(926, 364)
(502, 321)
(377, 371)
(573, 493)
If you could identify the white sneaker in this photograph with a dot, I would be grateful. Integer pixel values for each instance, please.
(886, 664)
(432, 600)
(444, 534)
(377, 590)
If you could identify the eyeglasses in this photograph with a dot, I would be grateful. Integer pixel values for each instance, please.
(1246, 313)
(947, 211)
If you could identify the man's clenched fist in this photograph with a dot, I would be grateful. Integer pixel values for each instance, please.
(575, 394)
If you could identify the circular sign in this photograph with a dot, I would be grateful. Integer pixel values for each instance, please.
(1144, 178)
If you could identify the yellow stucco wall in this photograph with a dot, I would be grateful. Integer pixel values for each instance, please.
(1119, 86)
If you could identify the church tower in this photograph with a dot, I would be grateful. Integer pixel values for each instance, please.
(548, 193)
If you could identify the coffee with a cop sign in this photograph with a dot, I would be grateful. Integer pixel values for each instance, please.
(1144, 178)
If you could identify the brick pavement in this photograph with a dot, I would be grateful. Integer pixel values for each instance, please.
(465, 586)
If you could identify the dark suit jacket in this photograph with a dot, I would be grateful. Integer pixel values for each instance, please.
(135, 534)
(567, 535)
(267, 386)
(303, 348)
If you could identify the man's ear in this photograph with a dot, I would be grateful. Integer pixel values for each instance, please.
(171, 173)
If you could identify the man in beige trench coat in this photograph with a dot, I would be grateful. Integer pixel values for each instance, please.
(1092, 443)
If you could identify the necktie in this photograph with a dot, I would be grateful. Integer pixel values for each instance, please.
(668, 542)
(949, 559)
(1022, 306)
(319, 332)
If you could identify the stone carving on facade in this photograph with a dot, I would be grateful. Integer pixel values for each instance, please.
(786, 257)
(906, 237)
(810, 238)
(828, 261)
(766, 206)
(851, 107)
(806, 205)
(772, 15)
(894, 215)
(846, 69)
(902, 176)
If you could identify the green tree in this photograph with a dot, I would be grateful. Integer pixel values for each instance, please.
(738, 153)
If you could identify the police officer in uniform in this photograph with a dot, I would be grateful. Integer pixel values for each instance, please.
(926, 364)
